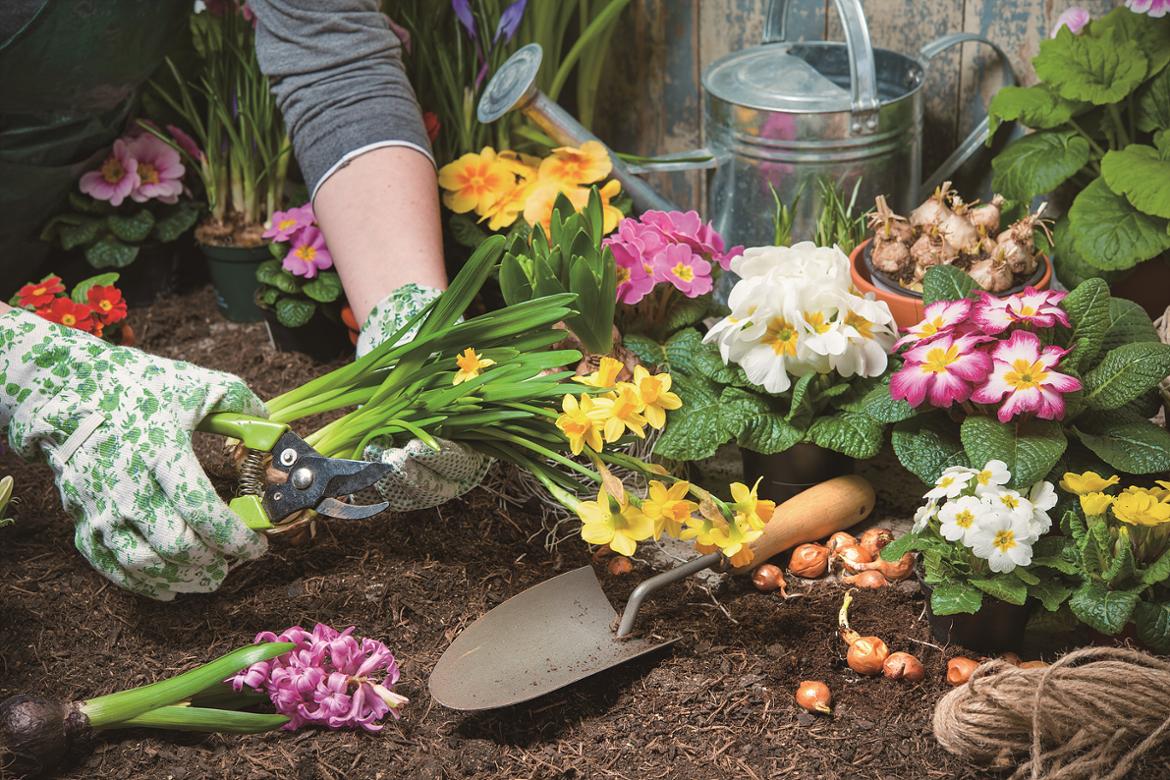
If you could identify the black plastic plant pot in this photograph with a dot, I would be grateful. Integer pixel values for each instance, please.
(996, 627)
(233, 273)
(320, 338)
(796, 469)
(153, 274)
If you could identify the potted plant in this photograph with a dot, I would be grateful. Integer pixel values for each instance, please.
(301, 299)
(985, 551)
(1047, 381)
(945, 230)
(1119, 544)
(239, 150)
(1101, 117)
(94, 305)
(785, 373)
(128, 215)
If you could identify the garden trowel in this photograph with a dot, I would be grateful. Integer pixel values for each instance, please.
(562, 630)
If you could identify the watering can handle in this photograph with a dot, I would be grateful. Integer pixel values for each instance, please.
(862, 69)
(977, 136)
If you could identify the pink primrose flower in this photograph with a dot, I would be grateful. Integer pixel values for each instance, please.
(1023, 377)
(115, 179)
(944, 371)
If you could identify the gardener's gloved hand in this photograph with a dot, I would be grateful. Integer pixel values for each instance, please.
(115, 424)
(421, 478)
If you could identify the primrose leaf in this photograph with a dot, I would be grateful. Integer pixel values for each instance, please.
(1100, 69)
(1153, 103)
(1037, 107)
(927, 444)
(685, 314)
(1151, 35)
(176, 221)
(326, 288)
(681, 349)
(1152, 622)
(80, 293)
(1157, 571)
(698, 431)
(755, 424)
(881, 406)
(1125, 374)
(1128, 323)
(1103, 609)
(132, 229)
(952, 598)
(81, 232)
(850, 433)
(1139, 172)
(1109, 233)
(946, 283)
(1050, 593)
(465, 231)
(87, 205)
(1131, 446)
(294, 312)
(903, 544)
(1008, 589)
(646, 349)
(1038, 163)
(1030, 449)
(1088, 310)
(110, 253)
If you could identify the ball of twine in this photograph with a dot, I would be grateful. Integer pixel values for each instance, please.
(1091, 714)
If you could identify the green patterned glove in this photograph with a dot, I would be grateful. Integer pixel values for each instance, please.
(421, 478)
(115, 425)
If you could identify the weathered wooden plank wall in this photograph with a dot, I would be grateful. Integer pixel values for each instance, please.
(654, 90)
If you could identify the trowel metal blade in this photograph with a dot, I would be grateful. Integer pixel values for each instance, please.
(540, 640)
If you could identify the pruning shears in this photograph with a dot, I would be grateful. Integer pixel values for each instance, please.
(301, 478)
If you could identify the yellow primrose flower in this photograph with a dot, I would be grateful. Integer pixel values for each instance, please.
(1095, 503)
(734, 538)
(757, 511)
(504, 211)
(475, 182)
(621, 526)
(622, 411)
(610, 215)
(542, 197)
(1162, 492)
(580, 424)
(524, 166)
(1089, 482)
(668, 507)
(585, 164)
(1137, 506)
(656, 395)
(470, 365)
(606, 374)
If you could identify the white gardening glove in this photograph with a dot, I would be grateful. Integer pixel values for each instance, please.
(115, 425)
(421, 477)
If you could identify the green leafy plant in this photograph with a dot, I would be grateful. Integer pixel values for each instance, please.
(1113, 351)
(5, 500)
(568, 259)
(295, 299)
(1101, 115)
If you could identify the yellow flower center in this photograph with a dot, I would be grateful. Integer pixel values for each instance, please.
(69, 320)
(965, 518)
(781, 337)
(1028, 311)
(1025, 375)
(148, 173)
(1010, 501)
(1004, 541)
(938, 359)
(575, 426)
(650, 387)
(306, 252)
(105, 304)
(684, 272)
(817, 321)
(983, 477)
(931, 327)
(468, 361)
(860, 324)
(39, 290)
(112, 170)
(623, 274)
(626, 406)
(945, 482)
(286, 224)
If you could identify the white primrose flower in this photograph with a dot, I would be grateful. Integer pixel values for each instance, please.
(923, 515)
(1011, 503)
(951, 483)
(868, 327)
(960, 517)
(822, 266)
(991, 478)
(1042, 496)
(1004, 541)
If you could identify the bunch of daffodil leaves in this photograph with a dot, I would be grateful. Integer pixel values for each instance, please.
(1119, 541)
(492, 382)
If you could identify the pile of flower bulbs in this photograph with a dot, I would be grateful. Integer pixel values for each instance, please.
(945, 230)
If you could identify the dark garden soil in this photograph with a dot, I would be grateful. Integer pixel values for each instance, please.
(718, 704)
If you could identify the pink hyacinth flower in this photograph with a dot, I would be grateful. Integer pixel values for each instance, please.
(944, 371)
(939, 318)
(1074, 18)
(1154, 8)
(689, 273)
(115, 179)
(160, 171)
(1024, 373)
(308, 254)
(284, 225)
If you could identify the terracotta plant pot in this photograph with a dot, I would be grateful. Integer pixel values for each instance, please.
(907, 306)
(996, 627)
(798, 468)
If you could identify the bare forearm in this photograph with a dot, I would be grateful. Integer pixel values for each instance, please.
(380, 216)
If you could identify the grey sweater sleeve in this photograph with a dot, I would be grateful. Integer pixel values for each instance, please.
(337, 74)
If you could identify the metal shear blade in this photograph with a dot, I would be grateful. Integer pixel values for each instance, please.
(315, 482)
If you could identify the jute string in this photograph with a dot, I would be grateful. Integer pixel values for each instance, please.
(1092, 714)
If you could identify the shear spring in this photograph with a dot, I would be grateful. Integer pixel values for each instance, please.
(252, 471)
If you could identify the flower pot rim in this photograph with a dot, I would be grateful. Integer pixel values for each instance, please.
(1041, 279)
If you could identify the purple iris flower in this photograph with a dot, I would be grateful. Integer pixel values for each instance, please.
(462, 10)
(509, 21)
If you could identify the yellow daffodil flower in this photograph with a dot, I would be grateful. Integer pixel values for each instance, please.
(606, 374)
(580, 424)
(1138, 506)
(733, 539)
(585, 164)
(475, 182)
(668, 507)
(702, 530)
(470, 365)
(621, 526)
(1096, 503)
(1089, 482)
(622, 411)
(656, 395)
(757, 511)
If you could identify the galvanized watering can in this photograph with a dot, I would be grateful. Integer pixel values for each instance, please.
(783, 115)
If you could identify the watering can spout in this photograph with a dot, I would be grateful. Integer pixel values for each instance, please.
(513, 88)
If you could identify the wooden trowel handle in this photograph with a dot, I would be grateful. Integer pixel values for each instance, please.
(813, 514)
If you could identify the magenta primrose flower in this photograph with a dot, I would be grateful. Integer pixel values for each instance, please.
(308, 253)
(115, 179)
(284, 225)
(688, 272)
(1154, 8)
(1074, 18)
(687, 227)
(939, 318)
(944, 370)
(1023, 372)
(330, 678)
(634, 277)
(1032, 307)
(160, 171)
